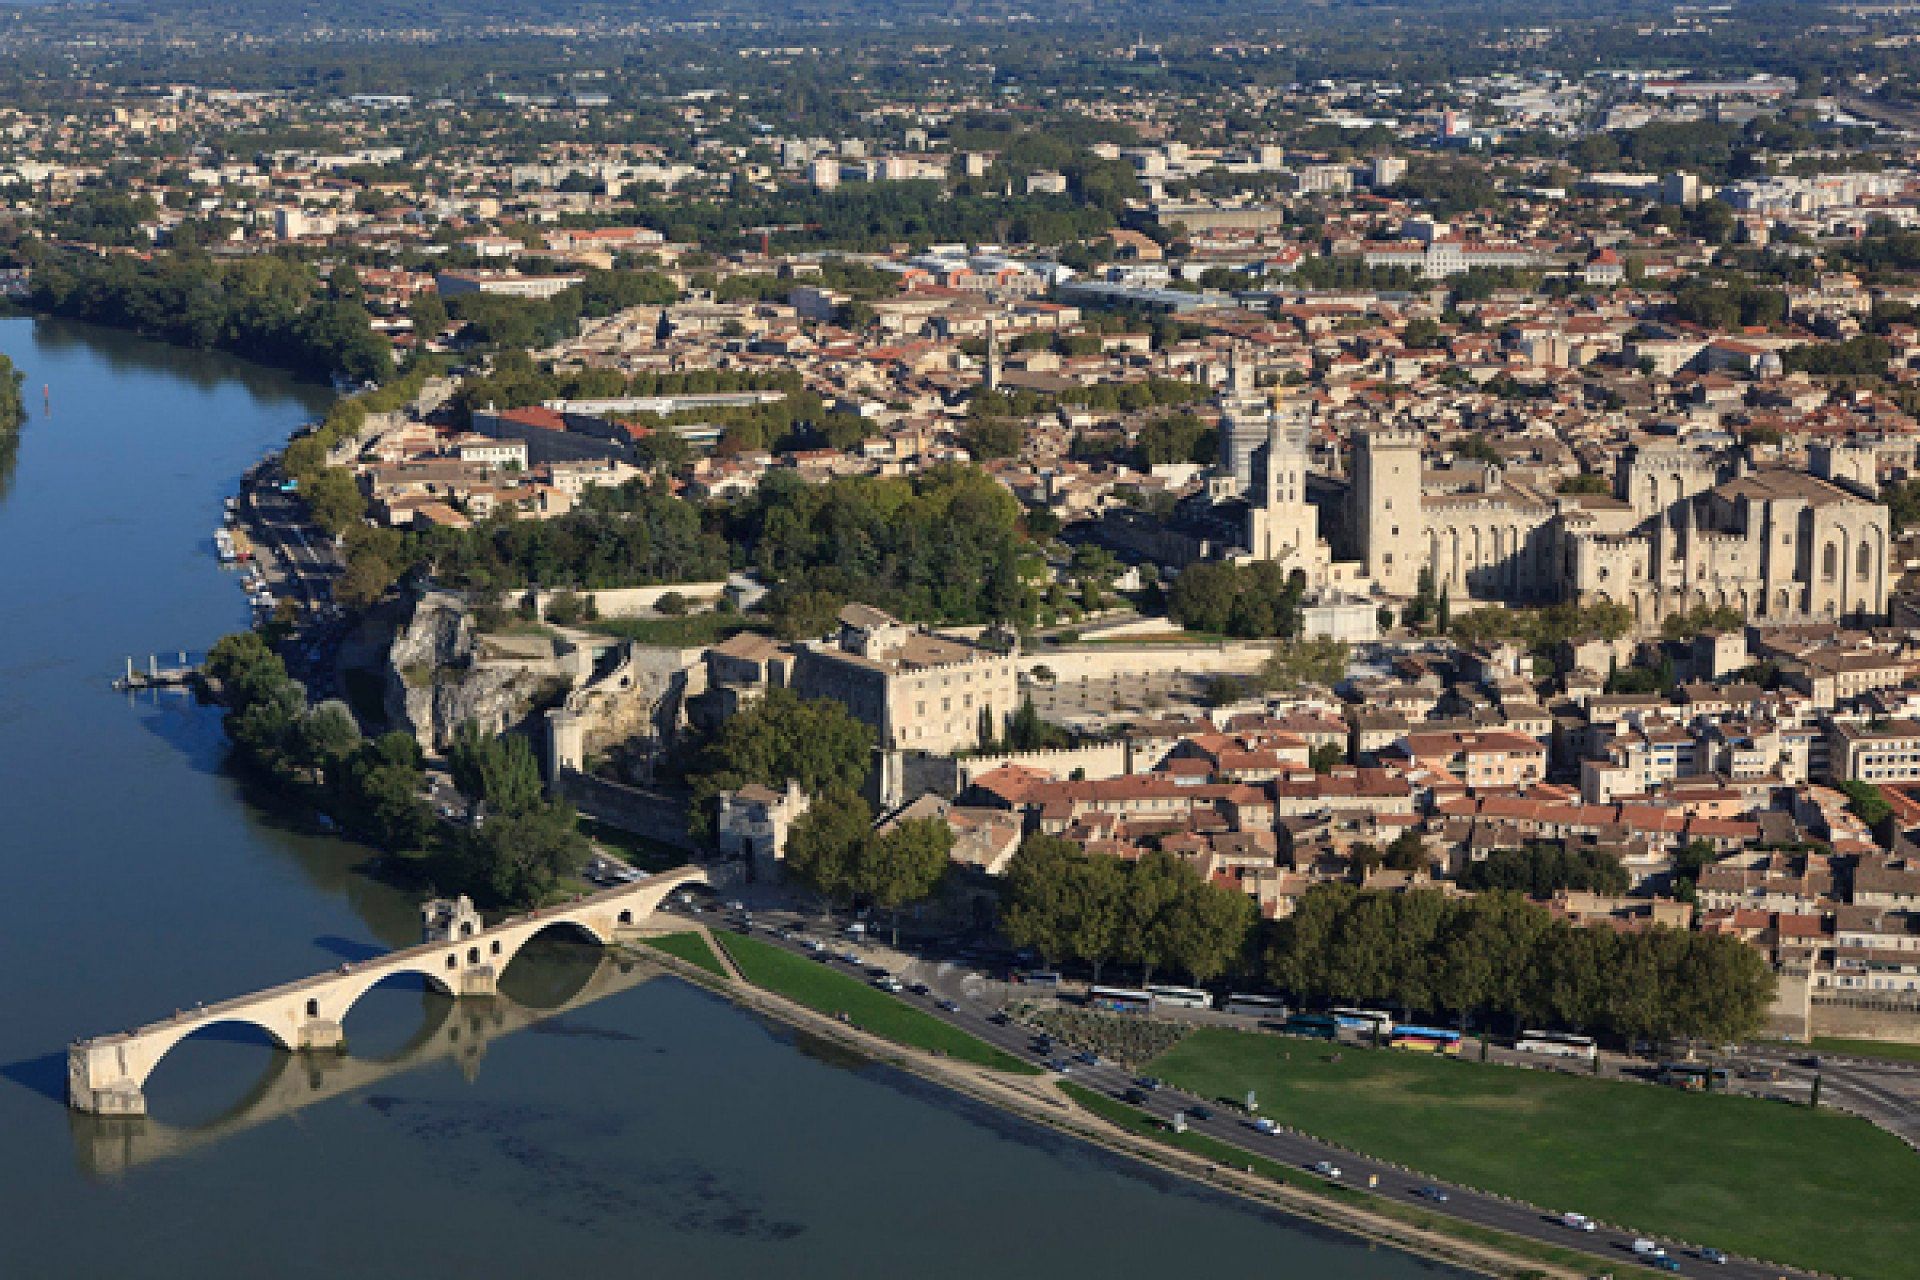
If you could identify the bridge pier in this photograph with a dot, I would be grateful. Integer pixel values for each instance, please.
(97, 1083)
(318, 1035)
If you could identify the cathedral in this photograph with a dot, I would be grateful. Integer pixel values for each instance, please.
(1685, 527)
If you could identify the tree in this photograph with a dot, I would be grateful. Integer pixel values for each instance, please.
(380, 792)
(1326, 757)
(429, 316)
(1407, 852)
(903, 864)
(1443, 616)
(828, 842)
(1036, 902)
(783, 738)
(521, 856)
(1866, 803)
(496, 771)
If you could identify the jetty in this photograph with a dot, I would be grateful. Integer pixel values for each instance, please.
(155, 676)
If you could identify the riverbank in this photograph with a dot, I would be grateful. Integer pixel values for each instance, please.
(1040, 1100)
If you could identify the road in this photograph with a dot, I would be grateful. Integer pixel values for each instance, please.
(976, 1000)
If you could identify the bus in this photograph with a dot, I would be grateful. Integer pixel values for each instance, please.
(1557, 1044)
(1254, 1006)
(1320, 1026)
(1372, 1022)
(1119, 999)
(1181, 997)
(1425, 1039)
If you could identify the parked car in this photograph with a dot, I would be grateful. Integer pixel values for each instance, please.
(946, 1006)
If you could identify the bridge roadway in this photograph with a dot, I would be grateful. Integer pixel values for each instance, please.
(106, 1075)
(107, 1147)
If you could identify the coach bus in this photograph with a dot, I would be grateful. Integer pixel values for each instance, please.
(1557, 1044)
(1119, 1000)
(1254, 1006)
(1372, 1022)
(1425, 1039)
(1181, 997)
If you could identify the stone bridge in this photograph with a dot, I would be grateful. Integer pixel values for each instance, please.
(461, 956)
(108, 1146)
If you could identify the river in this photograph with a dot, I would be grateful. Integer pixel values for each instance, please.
(654, 1129)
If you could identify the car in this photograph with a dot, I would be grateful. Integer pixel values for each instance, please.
(1264, 1125)
(1430, 1192)
(999, 1018)
(1576, 1221)
(1646, 1248)
(1138, 1097)
(889, 983)
(852, 958)
(946, 1006)
(1087, 1058)
(919, 988)
(736, 905)
(1326, 1168)
(815, 945)
(1711, 1254)
(1149, 1083)
(1661, 1262)
(1199, 1112)
(1061, 1065)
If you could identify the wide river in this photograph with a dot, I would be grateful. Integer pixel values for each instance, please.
(649, 1129)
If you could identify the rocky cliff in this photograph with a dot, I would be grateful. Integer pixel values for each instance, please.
(436, 680)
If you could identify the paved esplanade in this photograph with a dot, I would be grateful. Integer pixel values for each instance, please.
(105, 1075)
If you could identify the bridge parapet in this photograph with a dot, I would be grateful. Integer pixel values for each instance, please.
(107, 1075)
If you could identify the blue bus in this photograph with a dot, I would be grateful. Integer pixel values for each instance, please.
(1318, 1025)
(1119, 999)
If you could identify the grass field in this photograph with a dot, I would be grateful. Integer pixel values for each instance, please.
(1868, 1049)
(821, 988)
(1135, 1121)
(1781, 1182)
(690, 947)
(690, 631)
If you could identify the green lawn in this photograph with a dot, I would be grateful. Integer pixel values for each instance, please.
(690, 631)
(1889, 1050)
(1136, 1121)
(647, 855)
(821, 988)
(690, 947)
(1781, 1182)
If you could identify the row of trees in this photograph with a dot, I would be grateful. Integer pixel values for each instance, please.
(1542, 868)
(513, 853)
(271, 309)
(1157, 914)
(373, 787)
(1499, 956)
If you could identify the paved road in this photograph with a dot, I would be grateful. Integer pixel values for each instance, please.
(976, 1000)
